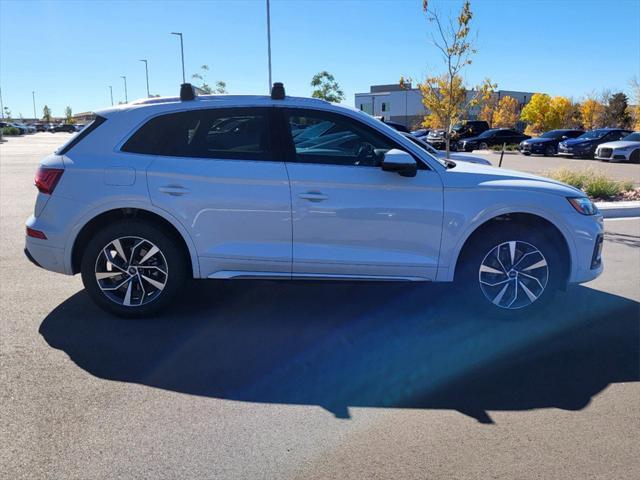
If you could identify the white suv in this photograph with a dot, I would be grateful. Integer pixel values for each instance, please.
(234, 187)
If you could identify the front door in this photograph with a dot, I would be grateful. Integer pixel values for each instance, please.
(351, 218)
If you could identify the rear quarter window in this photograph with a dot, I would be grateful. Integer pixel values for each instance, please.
(86, 131)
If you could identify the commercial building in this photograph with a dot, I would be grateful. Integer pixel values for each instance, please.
(404, 105)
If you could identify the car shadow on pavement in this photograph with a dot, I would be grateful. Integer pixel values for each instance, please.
(341, 345)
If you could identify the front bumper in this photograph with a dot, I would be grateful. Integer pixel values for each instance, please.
(575, 152)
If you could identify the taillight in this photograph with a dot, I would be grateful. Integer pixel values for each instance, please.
(47, 179)
(35, 234)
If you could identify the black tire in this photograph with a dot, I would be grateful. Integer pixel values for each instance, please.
(635, 156)
(526, 154)
(483, 146)
(468, 275)
(168, 266)
(550, 151)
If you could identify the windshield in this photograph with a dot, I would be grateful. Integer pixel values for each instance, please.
(553, 134)
(593, 134)
(488, 133)
(632, 137)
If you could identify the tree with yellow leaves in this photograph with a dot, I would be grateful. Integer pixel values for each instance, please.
(536, 113)
(591, 112)
(488, 111)
(445, 96)
(507, 113)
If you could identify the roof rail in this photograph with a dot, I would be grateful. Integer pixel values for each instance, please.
(277, 91)
(187, 92)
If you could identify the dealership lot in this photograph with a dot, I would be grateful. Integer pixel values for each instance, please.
(322, 380)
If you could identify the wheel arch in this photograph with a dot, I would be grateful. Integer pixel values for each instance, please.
(532, 220)
(98, 219)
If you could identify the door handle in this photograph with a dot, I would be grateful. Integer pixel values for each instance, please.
(173, 190)
(313, 196)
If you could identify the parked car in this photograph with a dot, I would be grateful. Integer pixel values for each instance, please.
(41, 127)
(489, 138)
(157, 191)
(64, 127)
(547, 143)
(23, 128)
(465, 129)
(585, 145)
(625, 150)
(457, 157)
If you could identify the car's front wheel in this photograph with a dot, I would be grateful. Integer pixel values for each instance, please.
(511, 270)
(132, 268)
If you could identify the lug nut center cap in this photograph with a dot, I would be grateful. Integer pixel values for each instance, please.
(132, 270)
(512, 274)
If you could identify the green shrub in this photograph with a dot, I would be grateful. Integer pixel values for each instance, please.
(593, 183)
(602, 187)
(10, 131)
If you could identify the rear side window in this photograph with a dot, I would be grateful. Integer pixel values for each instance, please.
(82, 134)
(241, 134)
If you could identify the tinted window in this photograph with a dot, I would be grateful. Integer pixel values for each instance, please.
(506, 133)
(221, 133)
(488, 133)
(633, 137)
(323, 137)
(82, 134)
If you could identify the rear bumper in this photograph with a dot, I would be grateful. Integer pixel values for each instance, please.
(44, 256)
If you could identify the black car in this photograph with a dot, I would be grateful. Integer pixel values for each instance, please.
(63, 128)
(464, 129)
(547, 143)
(488, 138)
(585, 145)
(397, 126)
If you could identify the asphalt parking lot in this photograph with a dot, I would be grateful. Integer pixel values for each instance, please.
(539, 165)
(312, 380)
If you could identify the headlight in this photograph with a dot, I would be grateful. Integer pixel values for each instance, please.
(583, 205)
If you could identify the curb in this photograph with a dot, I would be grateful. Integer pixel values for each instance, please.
(619, 209)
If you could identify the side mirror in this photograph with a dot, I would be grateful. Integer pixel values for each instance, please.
(400, 162)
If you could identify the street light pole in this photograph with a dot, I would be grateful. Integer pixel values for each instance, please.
(146, 71)
(184, 80)
(33, 95)
(269, 42)
(126, 97)
(111, 92)
(1, 106)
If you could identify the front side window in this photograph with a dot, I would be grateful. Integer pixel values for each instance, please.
(328, 138)
(240, 134)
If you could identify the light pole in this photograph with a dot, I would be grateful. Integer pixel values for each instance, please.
(269, 42)
(126, 97)
(146, 71)
(1, 105)
(111, 92)
(184, 80)
(33, 95)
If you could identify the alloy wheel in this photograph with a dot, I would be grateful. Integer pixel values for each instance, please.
(513, 275)
(131, 271)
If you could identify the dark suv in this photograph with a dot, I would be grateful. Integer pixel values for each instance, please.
(488, 138)
(547, 143)
(464, 129)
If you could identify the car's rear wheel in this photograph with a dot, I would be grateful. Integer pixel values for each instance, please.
(132, 268)
(511, 270)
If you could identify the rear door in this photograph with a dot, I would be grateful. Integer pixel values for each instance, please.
(351, 218)
(216, 171)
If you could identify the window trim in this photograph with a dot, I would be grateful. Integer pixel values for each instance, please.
(249, 109)
(285, 139)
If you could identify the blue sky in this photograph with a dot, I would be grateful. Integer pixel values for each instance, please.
(68, 52)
